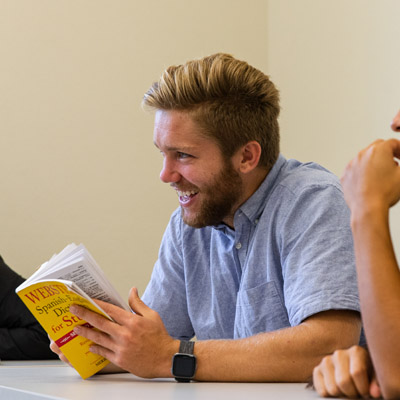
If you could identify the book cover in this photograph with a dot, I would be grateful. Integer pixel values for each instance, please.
(72, 276)
(49, 302)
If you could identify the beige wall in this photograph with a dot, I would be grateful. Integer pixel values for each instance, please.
(77, 161)
(337, 64)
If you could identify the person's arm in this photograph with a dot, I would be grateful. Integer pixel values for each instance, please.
(21, 336)
(287, 355)
(140, 344)
(27, 342)
(372, 185)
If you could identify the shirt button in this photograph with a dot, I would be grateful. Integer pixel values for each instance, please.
(238, 245)
(256, 221)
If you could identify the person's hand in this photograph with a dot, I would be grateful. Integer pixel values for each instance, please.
(372, 179)
(346, 373)
(136, 342)
(55, 349)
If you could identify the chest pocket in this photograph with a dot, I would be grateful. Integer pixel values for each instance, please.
(259, 309)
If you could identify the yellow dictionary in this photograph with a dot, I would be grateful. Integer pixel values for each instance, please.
(71, 277)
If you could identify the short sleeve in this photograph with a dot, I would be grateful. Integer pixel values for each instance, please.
(318, 262)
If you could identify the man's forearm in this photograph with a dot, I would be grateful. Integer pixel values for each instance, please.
(288, 355)
(139, 343)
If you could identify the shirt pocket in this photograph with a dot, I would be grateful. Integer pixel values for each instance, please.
(259, 309)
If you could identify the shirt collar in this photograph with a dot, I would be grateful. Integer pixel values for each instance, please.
(255, 204)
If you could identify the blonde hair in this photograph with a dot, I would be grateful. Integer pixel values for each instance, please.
(231, 101)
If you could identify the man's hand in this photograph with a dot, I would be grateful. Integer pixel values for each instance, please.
(372, 179)
(55, 349)
(138, 343)
(346, 373)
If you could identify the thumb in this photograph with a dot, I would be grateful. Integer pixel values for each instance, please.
(136, 304)
(374, 389)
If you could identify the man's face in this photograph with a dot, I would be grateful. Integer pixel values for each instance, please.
(396, 123)
(209, 188)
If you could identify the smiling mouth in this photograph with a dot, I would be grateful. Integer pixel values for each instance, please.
(185, 197)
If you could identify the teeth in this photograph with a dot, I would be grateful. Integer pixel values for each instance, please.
(187, 193)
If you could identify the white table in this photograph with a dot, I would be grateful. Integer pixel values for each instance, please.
(24, 380)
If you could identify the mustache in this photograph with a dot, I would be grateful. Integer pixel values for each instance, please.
(183, 188)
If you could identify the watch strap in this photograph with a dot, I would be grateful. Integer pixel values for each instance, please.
(184, 362)
(186, 347)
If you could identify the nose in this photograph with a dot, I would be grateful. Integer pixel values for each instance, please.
(396, 123)
(169, 174)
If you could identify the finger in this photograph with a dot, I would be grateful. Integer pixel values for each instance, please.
(376, 141)
(109, 308)
(102, 342)
(374, 388)
(318, 382)
(394, 145)
(328, 370)
(65, 360)
(369, 148)
(55, 349)
(359, 369)
(343, 377)
(372, 144)
(117, 314)
(137, 304)
(93, 318)
(102, 351)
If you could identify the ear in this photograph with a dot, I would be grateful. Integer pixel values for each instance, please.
(249, 155)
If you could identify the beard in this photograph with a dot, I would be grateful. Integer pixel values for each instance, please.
(218, 199)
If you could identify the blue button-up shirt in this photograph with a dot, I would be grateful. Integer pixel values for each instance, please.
(290, 256)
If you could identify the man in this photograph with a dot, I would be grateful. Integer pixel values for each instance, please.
(21, 336)
(371, 184)
(257, 263)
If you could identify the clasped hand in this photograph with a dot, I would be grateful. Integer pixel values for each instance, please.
(372, 179)
(346, 373)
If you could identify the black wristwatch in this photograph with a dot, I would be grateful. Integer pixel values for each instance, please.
(184, 362)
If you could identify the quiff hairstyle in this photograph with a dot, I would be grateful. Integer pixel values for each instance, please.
(232, 102)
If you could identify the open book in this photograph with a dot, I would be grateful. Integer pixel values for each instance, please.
(72, 276)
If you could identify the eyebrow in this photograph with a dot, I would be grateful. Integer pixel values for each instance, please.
(182, 149)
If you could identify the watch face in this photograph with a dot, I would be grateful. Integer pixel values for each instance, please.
(184, 365)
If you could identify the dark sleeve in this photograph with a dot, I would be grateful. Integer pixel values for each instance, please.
(21, 336)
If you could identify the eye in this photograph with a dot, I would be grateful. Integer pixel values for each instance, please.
(181, 155)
